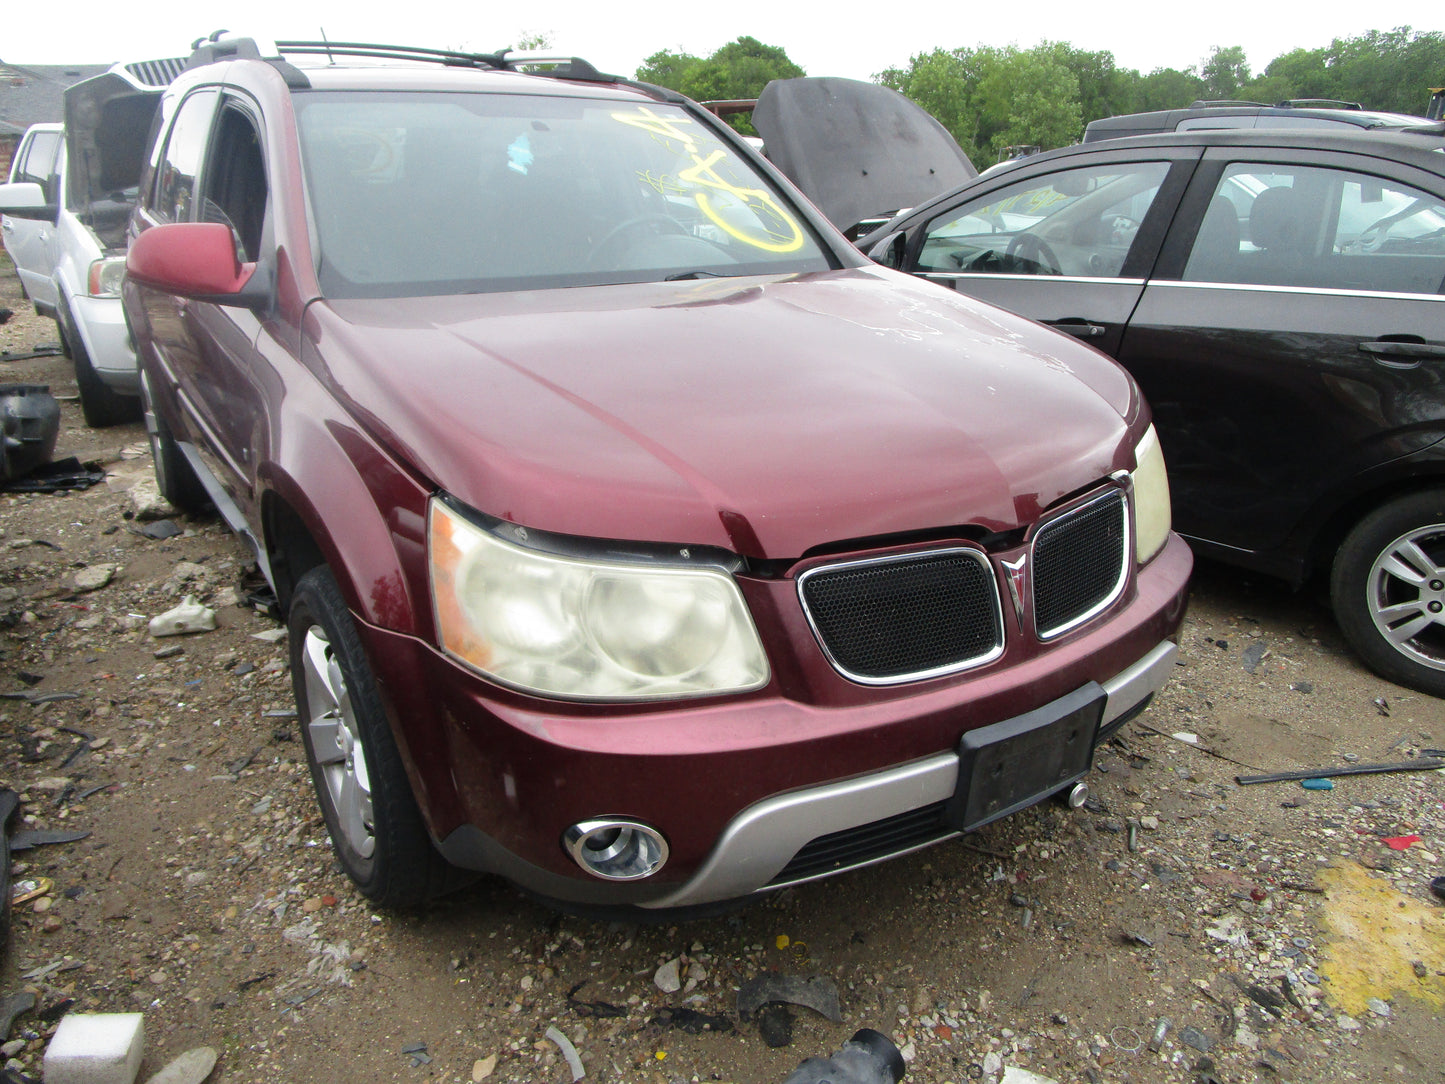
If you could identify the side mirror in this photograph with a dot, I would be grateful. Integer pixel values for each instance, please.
(889, 251)
(26, 199)
(197, 260)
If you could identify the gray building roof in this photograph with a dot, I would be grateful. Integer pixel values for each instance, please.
(31, 94)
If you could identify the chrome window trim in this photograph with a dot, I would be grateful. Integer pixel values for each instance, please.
(934, 276)
(897, 558)
(1328, 291)
(1124, 494)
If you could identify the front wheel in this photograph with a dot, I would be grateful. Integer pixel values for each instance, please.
(376, 829)
(101, 404)
(1388, 590)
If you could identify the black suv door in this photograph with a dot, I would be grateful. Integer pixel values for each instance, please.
(1291, 340)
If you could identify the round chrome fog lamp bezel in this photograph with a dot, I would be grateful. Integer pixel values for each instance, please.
(616, 849)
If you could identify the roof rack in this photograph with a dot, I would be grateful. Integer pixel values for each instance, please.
(1318, 103)
(1215, 103)
(560, 67)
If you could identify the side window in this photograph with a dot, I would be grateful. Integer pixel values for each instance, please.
(234, 184)
(1079, 222)
(37, 162)
(185, 148)
(1318, 228)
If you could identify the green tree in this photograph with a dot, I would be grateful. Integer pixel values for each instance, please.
(739, 69)
(1224, 71)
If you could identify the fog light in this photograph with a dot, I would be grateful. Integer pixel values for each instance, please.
(616, 850)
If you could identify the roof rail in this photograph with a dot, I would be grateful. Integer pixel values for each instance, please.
(1318, 103)
(1211, 104)
(557, 66)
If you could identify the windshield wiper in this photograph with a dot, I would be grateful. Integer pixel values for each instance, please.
(692, 275)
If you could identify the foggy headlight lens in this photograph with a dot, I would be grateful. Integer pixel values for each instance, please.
(567, 627)
(1151, 498)
(104, 277)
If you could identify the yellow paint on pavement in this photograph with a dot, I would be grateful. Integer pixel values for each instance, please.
(1373, 935)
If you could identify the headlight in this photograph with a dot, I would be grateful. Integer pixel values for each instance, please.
(1151, 498)
(104, 277)
(567, 627)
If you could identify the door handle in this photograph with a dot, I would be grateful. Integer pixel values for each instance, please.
(1079, 328)
(1399, 352)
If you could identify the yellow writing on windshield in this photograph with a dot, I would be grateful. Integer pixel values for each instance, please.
(773, 229)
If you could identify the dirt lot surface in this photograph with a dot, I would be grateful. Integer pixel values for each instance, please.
(1183, 928)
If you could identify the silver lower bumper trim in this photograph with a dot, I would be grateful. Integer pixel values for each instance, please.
(762, 839)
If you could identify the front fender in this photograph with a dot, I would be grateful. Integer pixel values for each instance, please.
(364, 514)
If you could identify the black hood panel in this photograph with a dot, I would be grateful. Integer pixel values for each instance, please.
(856, 149)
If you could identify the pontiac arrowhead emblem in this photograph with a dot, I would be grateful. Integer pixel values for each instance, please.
(1017, 575)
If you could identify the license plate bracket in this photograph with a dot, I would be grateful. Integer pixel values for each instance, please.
(1013, 764)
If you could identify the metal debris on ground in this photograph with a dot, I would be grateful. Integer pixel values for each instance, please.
(1419, 764)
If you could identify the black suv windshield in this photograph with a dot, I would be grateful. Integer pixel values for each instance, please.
(438, 193)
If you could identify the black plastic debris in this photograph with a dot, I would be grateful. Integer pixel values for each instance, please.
(27, 838)
(12, 1006)
(775, 1025)
(29, 424)
(600, 1009)
(691, 1021)
(58, 477)
(818, 993)
(1253, 655)
(159, 529)
(9, 806)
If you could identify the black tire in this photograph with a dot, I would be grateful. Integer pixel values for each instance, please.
(376, 829)
(1388, 590)
(101, 404)
(175, 477)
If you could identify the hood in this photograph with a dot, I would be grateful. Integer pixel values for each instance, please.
(765, 416)
(857, 150)
(107, 127)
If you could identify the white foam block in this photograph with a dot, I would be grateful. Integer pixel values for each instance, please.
(96, 1048)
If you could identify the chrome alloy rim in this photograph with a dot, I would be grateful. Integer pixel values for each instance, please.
(336, 743)
(1406, 595)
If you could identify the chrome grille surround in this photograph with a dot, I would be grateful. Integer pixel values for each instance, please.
(914, 609)
(1081, 559)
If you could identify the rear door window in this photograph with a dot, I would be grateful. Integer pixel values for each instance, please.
(1320, 228)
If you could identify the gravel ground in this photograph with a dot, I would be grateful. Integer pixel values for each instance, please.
(1181, 928)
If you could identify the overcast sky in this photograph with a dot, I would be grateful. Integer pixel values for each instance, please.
(843, 38)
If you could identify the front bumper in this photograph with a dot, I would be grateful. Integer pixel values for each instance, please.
(742, 787)
(101, 323)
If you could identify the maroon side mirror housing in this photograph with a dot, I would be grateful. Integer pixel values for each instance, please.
(197, 260)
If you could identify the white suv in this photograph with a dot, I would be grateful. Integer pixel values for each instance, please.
(64, 227)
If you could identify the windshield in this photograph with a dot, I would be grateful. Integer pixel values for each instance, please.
(438, 193)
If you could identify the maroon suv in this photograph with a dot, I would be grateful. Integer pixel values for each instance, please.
(639, 540)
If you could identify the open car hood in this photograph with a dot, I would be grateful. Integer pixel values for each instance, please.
(107, 124)
(857, 150)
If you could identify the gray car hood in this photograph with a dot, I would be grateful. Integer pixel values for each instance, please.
(857, 150)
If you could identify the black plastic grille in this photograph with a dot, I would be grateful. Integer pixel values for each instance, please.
(887, 620)
(1079, 562)
(156, 73)
(867, 843)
